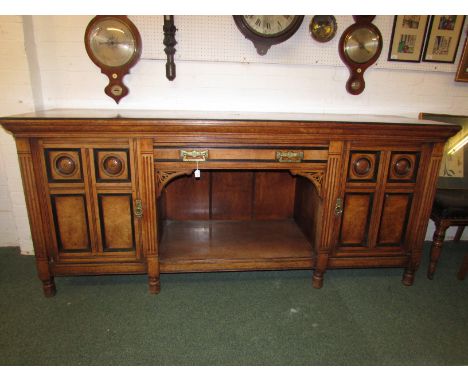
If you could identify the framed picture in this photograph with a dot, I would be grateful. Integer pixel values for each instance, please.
(444, 36)
(407, 38)
(462, 71)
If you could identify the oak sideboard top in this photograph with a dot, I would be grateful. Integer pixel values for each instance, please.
(61, 122)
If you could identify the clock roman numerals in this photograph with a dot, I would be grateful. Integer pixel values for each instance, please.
(265, 31)
(269, 25)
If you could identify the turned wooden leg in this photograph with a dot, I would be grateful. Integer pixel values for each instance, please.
(43, 272)
(459, 233)
(436, 248)
(154, 284)
(48, 287)
(317, 280)
(413, 265)
(320, 268)
(464, 268)
(408, 277)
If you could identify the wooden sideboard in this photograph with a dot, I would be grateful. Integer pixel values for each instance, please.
(111, 193)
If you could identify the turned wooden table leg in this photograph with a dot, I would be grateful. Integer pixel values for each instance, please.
(320, 268)
(48, 283)
(154, 284)
(436, 248)
(317, 279)
(408, 277)
(464, 268)
(410, 270)
(48, 287)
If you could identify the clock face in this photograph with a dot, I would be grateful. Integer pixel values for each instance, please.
(361, 45)
(269, 26)
(112, 42)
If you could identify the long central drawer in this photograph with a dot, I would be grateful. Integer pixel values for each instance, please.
(265, 155)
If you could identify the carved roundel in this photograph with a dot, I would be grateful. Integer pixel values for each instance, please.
(113, 165)
(363, 167)
(403, 167)
(65, 165)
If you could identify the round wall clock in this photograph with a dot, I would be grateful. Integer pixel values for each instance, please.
(114, 44)
(323, 28)
(265, 31)
(359, 47)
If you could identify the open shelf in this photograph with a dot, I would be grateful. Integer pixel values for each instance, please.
(238, 220)
(233, 245)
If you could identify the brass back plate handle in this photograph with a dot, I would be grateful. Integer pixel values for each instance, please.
(289, 156)
(194, 155)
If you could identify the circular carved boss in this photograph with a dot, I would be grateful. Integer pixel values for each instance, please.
(402, 167)
(112, 165)
(361, 166)
(65, 165)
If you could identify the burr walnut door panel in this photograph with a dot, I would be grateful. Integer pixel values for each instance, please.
(356, 219)
(393, 222)
(116, 223)
(71, 222)
(377, 201)
(91, 194)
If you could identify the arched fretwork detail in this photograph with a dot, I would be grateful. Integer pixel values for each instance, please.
(164, 177)
(315, 176)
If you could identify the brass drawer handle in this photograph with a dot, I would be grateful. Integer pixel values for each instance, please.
(138, 208)
(289, 156)
(194, 155)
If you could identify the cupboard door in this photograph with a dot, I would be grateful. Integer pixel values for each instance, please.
(377, 201)
(394, 219)
(357, 211)
(91, 193)
(71, 223)
(116, 221)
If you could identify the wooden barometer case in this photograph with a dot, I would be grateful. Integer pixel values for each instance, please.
(359, 47)
(113, 43)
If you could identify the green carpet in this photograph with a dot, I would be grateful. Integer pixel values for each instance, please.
(359, 317)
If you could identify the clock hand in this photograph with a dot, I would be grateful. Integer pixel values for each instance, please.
(362, 46)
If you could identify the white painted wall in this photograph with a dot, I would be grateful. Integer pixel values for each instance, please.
(62, 76)
(15, 97)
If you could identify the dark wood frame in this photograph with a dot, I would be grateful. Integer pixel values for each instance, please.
(357, 70)
(115, 73)
(170, 42)
(428, 39)
(462, 71)
(263, 43)
(390, 52)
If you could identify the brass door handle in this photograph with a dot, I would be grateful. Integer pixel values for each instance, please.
(138, 208)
